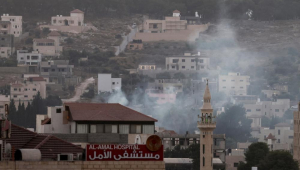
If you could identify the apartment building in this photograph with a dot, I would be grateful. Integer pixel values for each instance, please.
(147, 66)
(296, 144)
(108, 84)
(15, 22)
(28, 58)
(168, 85)
(25, 91)
(234, 84)
(76, 18)
(4, 99)
(56, 70)
(5, 27)
(161, 97)
(279, 138)
(49, 46)
(267, 108)
(6, 45)
(187, 62)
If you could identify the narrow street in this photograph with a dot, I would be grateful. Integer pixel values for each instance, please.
(80, 90)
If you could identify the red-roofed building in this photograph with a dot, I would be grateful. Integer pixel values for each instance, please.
(49, 145)
(95, 118)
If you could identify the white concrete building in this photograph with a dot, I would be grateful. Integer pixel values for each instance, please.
(234, 84)
(26, 91)
(187, 62)
(108, 84)
(28, 58)
(16, 24)
(268, 108)
(76, 18)
(49, 46)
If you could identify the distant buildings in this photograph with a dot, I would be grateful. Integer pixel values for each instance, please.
(56, 70)
(76, 18)
(147, 66)
(161, 97)
(108, 84)
(6, 45)
(168, 85)
(49, 46)
(296, 145)
(172, 28)
(4, 99)
(234, 84)
(135, 45)
(25, 92)
(187, 62)
(28, 58)
(15, 26)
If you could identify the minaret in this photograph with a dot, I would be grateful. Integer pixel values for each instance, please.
(206, 126)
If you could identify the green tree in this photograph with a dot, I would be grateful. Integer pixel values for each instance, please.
(234, 123)
(278, 160)
(12, 111)
(256, 152)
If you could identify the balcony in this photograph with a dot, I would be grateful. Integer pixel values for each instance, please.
(205, 125)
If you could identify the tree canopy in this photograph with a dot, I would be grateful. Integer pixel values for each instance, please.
(281, 160)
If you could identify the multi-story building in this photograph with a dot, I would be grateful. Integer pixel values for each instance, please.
(56, 70)
(168, 85)
(16, 24)
(76, 18)
(161, 97)
(49, 46)
(234, 84)
(5, 27)
(296, 144)
(6, 45)
(268, 108)
(108, 84)
(187, 62)
(4, 99)
(28, 58)
(84, 123)
(279, 138)
(25, 91)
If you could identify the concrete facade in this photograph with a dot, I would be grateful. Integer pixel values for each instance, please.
(16, 24)
(6, 45)
(187, 63)
(49, 46)
(267, 108)
(5, 27)
(108, 84)
(56, 70)
(26, 91)
(76, 18)
(234, 84)
(135, 45)
(26, 58)
(82, 165)
(4, 99)
(232, 162)
(147, 66)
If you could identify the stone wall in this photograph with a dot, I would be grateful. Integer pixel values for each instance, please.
(83, 165)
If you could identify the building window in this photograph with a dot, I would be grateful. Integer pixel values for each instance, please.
(241, 80)
(54, 21)
(97, 128)
(258, 110)
(25, 89)
(241, 87)
(278, 140)
(192, 67)
(15, 89)
(248, 110)
(203, 161)
(25, 96)
(15, 96)
(111, 128)
(201, 61)
(82, 128)
(113, 83)
(148, 129)
(223, 80)
(135, 129)
(45, 70)
(154, 25)
(224, 87)
(291, 137)
(143, 67)
(235, 164)
(2, 39)
(123, 129)
(183, 67)
(276, 110)
(232, 87)
(175, 60)
(183, 60)
(192, 60)
(58, 110)
(53, 70)
(152, 67)
(278, 132)
(173, 66)
(33, 89)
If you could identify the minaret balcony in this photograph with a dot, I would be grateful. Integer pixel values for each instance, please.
(206, 125)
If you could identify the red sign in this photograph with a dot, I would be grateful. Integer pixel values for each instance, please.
(123, 152)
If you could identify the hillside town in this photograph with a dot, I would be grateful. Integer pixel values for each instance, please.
(182, 85)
